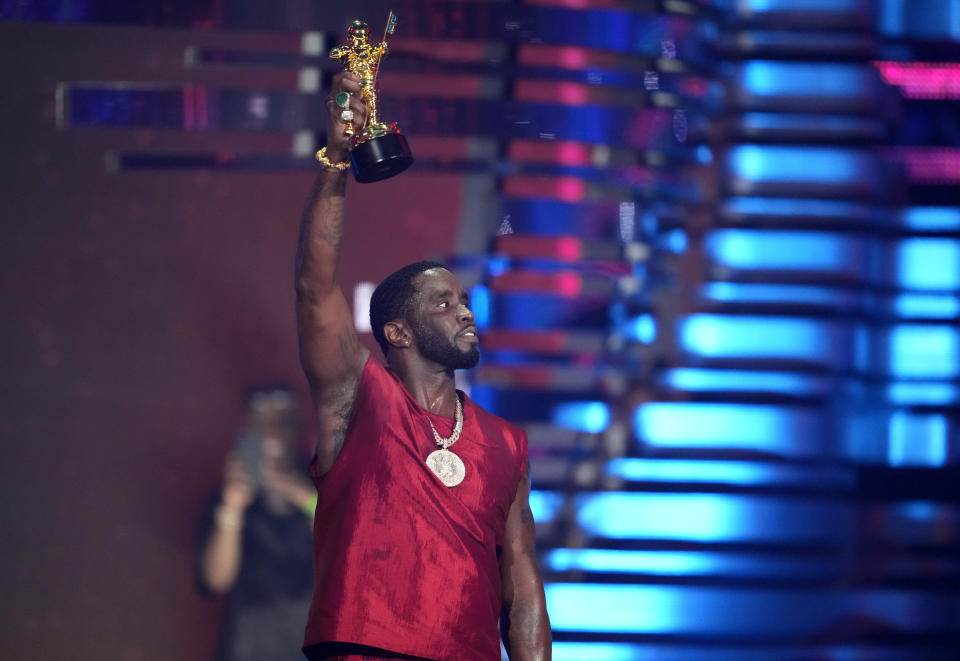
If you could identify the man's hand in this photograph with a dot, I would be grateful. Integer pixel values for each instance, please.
(338, 141)
(220, 561)
(237, 491)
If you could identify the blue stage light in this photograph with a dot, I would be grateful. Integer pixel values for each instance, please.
(932, 218)
(641, 328)
(805, 79)
(711, 518)
(924, 351)
(677, 241)
(567, 651)
(923, 20)
(729, 564)
(544, 505)
(743, 336)
(588, 417)
(836, 6)
(498, 265)
(809, 207)
(917, 439)
(927, 263)
(923, 394)
(667, 563)
(926, 306)
(480, 305)
(611, 608)
(782, 430)
(785, 250)
(741, 473)
(759, 292)
(734, 611)
(802, 122)
(704, 154)
(923, 511)
(697, 379)
(809, 165)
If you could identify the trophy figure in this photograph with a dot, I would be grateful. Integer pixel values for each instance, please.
(379, 150)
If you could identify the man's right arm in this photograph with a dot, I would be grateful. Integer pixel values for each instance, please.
(330, 352)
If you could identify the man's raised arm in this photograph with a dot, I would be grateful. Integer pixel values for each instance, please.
(330, 352)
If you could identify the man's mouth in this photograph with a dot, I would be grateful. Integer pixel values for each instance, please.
(470, 332)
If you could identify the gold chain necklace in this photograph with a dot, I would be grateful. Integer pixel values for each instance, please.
(446, 465)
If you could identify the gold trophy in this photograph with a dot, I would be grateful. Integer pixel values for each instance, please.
(379, 150)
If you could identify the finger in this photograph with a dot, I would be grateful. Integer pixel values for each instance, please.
(359, 109)
(355, 104)
(346, 82)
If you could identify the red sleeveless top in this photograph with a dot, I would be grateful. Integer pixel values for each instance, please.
(401, 561)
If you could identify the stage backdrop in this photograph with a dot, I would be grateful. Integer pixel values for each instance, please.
(137, 307)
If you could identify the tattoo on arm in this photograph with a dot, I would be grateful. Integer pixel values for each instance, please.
(339, 403)
(330, 229)
(322, 217)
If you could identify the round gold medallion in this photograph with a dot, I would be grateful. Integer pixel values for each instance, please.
(447, 466)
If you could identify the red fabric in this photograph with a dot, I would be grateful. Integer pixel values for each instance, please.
(402, 562)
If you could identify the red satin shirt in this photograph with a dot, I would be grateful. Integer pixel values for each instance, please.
(401, 561)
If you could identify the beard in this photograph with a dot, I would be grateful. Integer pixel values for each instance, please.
(437, 348)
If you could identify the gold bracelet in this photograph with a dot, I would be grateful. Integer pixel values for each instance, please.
(327, 163)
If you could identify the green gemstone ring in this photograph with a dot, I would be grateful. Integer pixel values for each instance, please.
(342, 99)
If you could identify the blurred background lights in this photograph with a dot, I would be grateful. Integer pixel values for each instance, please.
(925, 351)
(771, 250)
(759, 427)
(744, 336)
(827, 165)
(589, 417)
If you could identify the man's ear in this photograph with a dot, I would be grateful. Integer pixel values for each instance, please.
(398, 333)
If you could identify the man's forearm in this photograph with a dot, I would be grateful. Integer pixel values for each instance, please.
(321, 231)
(527, 635)
(220, 560)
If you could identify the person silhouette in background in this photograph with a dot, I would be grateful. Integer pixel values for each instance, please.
(256, 545)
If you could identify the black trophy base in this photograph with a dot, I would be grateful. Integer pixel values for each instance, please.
(381, 157)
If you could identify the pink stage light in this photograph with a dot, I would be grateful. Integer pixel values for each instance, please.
(572, 153)
(567, 284)
(931, 166)
(567, 57)
(575, 4)
(565, 189)
(569, 249)
(571, 189)
(563, 248)
(922, 80)
(548, 151)
(566, 93)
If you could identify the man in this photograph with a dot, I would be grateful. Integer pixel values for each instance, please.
(423, 533)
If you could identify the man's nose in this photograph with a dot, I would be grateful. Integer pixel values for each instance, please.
(464, 313)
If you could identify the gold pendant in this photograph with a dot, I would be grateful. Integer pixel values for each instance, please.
(447, 466)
